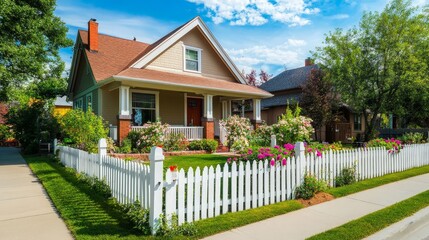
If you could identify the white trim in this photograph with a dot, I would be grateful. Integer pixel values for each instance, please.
(199, 53)
(77, 102)
(257, 109)
(196, 22)
(190, 86)
(124, 101)
(208, 106)
(156, 93)
(86, 101)
(185, 96)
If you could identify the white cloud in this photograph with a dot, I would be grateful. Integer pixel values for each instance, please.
(258, 12)
(261, 56)
(420, 3)
(119, 24)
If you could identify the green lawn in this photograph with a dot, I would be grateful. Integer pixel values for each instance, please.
(87, 214)
(374, 222)
(194, 161)
(375, 182)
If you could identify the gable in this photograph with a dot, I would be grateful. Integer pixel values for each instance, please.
(212, 64)
(84, 79)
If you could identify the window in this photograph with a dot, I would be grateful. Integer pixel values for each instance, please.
(78, 104)
(357, 122)
(89, 101)
(192, 59)
(143, 108)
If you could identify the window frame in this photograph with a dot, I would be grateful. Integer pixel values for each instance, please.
(78, 103)
(199, 54)
(86, 101)
(156, 93)
(357, 117)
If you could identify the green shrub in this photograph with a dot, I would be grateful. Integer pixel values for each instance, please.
(310, 187)
(84, 129)
(172, 229)
(261, 136)
(125, 146)
(412, 138)
(292, 127)
(5, 132)
(134, 137)
(346, 177)
(99, 186)
(138, 217)
(175, 142)
(30, 121)
(209, 145)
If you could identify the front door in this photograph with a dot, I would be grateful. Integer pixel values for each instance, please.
(194, 112)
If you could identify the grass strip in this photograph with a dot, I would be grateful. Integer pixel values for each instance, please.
(87, 214)
(374, 222)
(375, 182)
(230, 221)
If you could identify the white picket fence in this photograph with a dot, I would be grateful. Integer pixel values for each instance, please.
(204, 193)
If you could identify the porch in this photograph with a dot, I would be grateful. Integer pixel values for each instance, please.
(194, 115)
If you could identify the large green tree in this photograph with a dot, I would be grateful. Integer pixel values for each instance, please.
(30, 39)
(373, 65)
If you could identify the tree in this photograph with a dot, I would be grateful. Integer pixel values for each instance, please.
(371, 65)
(254, 81)
(318, 101)
(30, 39)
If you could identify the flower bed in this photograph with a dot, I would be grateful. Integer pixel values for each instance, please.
(392, 145)
(145, 156)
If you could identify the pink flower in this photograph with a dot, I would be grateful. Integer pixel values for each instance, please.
(284, 161)
(260, 156)
(288, 146)
(318, 153)
(272, 162)
(228, 160)
(279, 157)
(250, 152)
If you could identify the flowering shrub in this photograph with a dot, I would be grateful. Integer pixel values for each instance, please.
(292, 127)
(392, 145)
(153, 134)
(175, 142)
(275, 154)
(261, 136)
(238, 130)
(319, 148)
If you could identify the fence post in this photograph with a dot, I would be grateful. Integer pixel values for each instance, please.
(156, 158)
(273, 141)
(55, 146)
(300, 157)
(102, 151)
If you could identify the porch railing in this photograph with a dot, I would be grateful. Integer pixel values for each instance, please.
(191, 133)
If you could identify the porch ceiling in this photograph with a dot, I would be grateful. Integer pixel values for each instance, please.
(146, 78)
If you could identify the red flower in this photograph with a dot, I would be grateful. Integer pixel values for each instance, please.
(173, 168)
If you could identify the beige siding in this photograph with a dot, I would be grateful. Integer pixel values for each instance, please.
(171, 107)
(271, 115)
(217, 108)
(212, 64)
(110, 105)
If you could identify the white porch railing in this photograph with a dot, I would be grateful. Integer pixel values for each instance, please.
(191, 133)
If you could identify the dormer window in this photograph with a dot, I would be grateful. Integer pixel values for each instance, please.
(192, 59)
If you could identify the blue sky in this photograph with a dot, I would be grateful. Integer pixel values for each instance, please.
(268, 34)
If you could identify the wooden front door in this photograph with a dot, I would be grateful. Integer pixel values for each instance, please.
(194, 111)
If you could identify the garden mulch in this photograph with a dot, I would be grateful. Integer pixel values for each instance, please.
(316, 219)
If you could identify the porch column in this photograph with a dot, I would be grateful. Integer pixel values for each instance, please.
(207, 120)
(256, 121)
(225, 109)
(124, 115)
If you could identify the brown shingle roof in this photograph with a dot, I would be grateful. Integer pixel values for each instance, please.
(191, 81)
(114, 54)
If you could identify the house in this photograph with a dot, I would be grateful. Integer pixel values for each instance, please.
(287, 88)
(62, 106)
(185, 79)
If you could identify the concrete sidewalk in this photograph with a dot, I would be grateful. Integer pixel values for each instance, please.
(309, 221)
(26, 211)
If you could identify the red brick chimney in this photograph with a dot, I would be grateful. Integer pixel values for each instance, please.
(93, 35)
(308, 62)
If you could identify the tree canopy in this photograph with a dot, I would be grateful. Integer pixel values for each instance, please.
(374, 65)
(30, 39)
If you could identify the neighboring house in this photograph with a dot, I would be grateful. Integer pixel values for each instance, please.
(287, 88)
(185, 79)
(62, 106)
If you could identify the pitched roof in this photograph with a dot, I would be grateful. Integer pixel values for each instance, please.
(62, 101)
(196, 82)
(288, 79)
(114, 54)
(280, 100)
